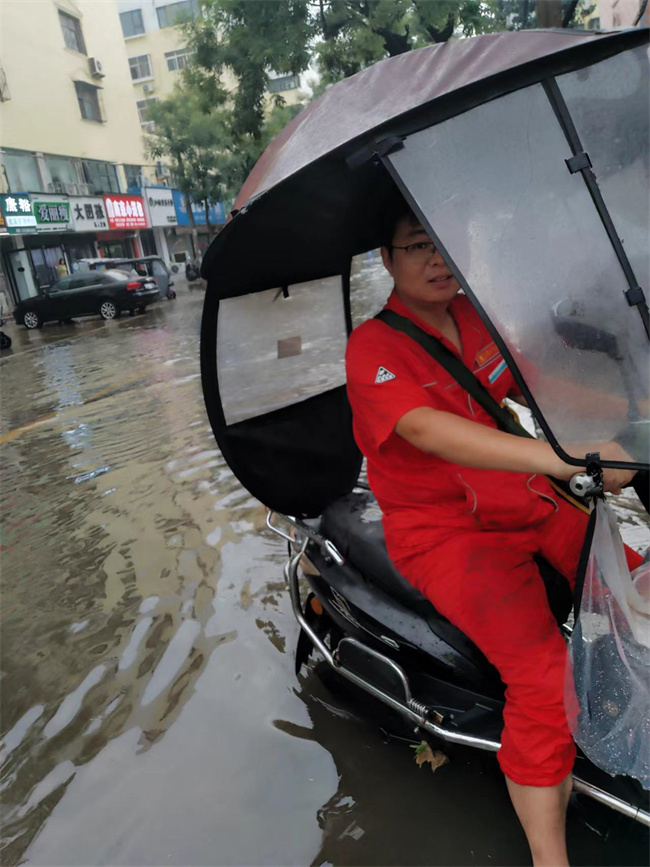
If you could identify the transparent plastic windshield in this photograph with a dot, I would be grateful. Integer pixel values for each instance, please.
(524, 232)
(610, 106)
(273, 351)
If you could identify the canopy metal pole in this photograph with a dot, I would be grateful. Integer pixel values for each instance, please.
(581, 163)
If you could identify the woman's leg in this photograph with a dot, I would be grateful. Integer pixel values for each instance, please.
(542, 813)
(488, 585)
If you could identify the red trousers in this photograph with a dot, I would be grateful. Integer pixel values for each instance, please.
(487, 584)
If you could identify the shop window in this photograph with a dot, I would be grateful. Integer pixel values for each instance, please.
(140, 67)
(176, 60)
(285, 82)
(101, 177)
(88, 101)
(22, 173)
(132, 23)
(72, 35)
(175, 13)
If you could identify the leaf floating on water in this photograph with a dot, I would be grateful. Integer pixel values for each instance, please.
(424, 753)
(245, 596)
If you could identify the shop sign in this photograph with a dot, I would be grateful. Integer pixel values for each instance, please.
(125, 212)
(88, 214)
(160, 204)
(17, 211)
(52, 213)
(216, 211)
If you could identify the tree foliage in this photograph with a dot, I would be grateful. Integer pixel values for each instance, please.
(214, 128)
(357, 33)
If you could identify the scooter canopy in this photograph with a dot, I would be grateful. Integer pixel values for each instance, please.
(525, 155)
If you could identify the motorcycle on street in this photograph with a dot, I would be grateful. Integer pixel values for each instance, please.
(525, 157)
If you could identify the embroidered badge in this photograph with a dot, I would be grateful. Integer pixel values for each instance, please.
(384, 375)
(496, 373)
(486, 354)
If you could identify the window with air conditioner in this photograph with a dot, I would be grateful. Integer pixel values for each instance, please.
(140, 67)
(144, 107)
(72, 35)
(132, 23)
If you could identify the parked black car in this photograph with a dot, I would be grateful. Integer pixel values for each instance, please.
(144, 266)
(88, 293)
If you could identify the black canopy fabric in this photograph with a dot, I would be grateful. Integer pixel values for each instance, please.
(315, 199)
(303, 210)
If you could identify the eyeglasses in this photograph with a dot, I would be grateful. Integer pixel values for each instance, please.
(418, 252)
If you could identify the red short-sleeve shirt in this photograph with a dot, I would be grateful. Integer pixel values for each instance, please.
(424, 498)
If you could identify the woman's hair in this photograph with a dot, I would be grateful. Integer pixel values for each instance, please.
(61, 261)
(394, 210)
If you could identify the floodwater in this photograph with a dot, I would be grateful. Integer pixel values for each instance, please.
(150, 710)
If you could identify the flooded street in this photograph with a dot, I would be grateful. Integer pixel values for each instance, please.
(150, 710)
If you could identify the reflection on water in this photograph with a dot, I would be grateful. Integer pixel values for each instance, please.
(150, 712)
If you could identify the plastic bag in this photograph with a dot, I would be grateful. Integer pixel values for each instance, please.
(609, 658)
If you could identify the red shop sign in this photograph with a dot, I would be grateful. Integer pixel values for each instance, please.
(125, 212)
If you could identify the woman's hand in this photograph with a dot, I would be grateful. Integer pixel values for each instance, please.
(613, 480)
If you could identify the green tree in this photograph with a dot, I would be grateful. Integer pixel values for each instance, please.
(246, 40)
(356, 33)
(195, 143)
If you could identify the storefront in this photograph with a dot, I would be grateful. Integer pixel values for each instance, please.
(161, 214)
(206, 229)
(47, 235)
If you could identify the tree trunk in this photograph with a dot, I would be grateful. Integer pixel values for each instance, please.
(549, 13)
(570, 12)
(195, 234)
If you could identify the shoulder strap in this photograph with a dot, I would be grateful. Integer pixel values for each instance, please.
(466, 379)
(455, 368)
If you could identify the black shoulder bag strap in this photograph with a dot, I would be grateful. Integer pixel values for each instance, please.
(466, 379)
(457, 369)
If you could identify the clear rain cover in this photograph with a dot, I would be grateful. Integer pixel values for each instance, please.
(609, 658)
(526, 235)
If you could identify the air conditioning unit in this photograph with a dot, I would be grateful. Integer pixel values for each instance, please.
(148, 88)
(55, 187)
(163, 172)
(72, 189)
(96, 68)
(85, 189)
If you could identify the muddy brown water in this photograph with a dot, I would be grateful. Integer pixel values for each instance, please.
(150, 710)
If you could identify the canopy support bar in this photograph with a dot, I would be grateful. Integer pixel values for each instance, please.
(580, 162)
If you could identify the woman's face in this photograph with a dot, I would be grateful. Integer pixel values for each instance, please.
(420, 274)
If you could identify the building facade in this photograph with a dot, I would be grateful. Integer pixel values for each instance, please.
(71, 145)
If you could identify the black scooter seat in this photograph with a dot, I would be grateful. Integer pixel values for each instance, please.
(353, 524)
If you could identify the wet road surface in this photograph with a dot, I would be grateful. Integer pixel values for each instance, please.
(150, 711)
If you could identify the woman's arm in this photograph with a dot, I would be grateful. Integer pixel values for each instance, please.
(471, 444)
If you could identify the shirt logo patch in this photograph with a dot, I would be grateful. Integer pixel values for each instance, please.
(496, 373)
(384, 375)
(486, 354)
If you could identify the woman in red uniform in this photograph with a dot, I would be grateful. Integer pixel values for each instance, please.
(466, 507)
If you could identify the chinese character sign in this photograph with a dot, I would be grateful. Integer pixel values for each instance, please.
(216, 211)
(88, 214)
(125, 212)
(160, 204)
(52, 214)
(18, 213)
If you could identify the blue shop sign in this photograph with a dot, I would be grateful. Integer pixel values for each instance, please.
(216, 212)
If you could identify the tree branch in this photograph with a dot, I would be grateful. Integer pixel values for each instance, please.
(569, 13)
